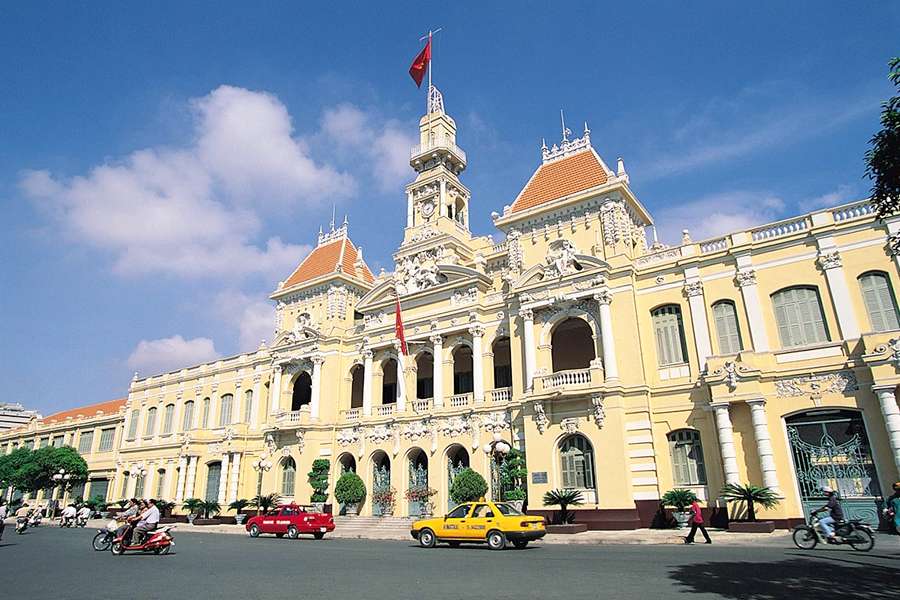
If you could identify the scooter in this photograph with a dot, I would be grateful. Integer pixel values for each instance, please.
(104, 538)
(21, 525)
(158, 541)
(67, 521)
(81, 521)
(35, 519)
(855, 533)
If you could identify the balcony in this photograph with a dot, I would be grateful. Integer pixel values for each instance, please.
(436, 145)
(460, 400)
(572, 379)
(352, 415)
(385, 410)
(499, 395)
(421, 405)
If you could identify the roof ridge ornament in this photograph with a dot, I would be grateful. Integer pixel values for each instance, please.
(435, 100)
(566, 147)
(334, 235)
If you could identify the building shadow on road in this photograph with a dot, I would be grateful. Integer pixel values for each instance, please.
(796, 579)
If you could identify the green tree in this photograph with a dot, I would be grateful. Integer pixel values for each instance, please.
(563, 499)
(350, 488)
(37, 471)
(468, 486)
(883, 158)
(318, 479)
(264, 502)
(11, 464)
(513, 475)
(750, 495)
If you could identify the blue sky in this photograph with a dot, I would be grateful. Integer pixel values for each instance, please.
(163, 166)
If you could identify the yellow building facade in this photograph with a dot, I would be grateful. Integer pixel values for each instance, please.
(621, 366)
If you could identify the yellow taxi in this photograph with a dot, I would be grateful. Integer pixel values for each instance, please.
(494, 523)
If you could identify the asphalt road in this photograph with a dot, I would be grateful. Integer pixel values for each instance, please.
(59, 563)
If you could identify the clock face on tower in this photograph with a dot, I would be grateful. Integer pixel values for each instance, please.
(428, 208)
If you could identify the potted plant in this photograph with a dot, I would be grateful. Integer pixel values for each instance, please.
(468, 486)
(350, 491)
(564, 498)
(318, 481)
(513, 476)
(209, 509)
(679, 499)
(237, 506)
(422, 494)
(97, 505)
(750, 495)
(386, 499)
(193, 507)
(264, 502)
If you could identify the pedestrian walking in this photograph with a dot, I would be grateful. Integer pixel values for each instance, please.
(696, 523)
(893, 507)
(3, 515)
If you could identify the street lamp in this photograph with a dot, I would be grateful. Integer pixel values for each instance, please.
(260, 465)
(497, 449)
(62, 478)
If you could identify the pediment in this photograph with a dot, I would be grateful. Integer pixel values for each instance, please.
(298, 335)
(423, 281)
(561, 268)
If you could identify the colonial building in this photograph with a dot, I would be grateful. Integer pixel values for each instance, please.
(15, 415)
(623, 368)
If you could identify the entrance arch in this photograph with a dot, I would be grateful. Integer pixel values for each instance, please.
(417, 461)
(830, 447)
(381, 482)
(302, 394)
(347, 463)
(572, 345)
(457, 460)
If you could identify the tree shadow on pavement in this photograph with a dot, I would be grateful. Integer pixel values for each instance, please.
(797, 579)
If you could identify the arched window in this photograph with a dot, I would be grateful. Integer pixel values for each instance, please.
(168, 416)
(139, 485)
(225, 407)
(425, 376)
(302, 394)
(798, 313)
(879, 299)
(502, 363)
(572, 345)
(463, 382)
(357, 381)
(150, 426)
(577, 462)
(669, 333)
(204, 416)
(389, 382)
(288, 474)
(727, 329)
(160, 483)
(133, 424)
(213, 477)
(248, 406)
(187, 421)
(687, 457)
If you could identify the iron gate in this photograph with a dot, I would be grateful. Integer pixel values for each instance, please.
(831, 448)
(381, 482)
(418, 479)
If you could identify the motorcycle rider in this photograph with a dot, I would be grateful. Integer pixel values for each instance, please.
(84, 513)
(3, 510)
(67, 518)
(149, 521)
(22, 514)
(130, 512)
(835, 514)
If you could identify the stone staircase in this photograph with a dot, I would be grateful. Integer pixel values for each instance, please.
(379, 528)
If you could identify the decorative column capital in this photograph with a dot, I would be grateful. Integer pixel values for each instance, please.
(603, 297)
(317, 359)
(476, 331)
(527, 314)
(884, 388)
(829, 260)
(277, 368)
(368, 354)
(745, 278)
(436, 339)
(693, 288)
(761, 402)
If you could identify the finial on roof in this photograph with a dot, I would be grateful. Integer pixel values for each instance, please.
(135, 377)
(566, 146)
(346, 222)
(685, 236)
(620, 167)
(565, 130)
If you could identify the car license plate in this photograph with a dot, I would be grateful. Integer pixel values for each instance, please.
(322, 529)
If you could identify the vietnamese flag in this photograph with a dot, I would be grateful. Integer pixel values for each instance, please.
(420, 64)
(398, 328)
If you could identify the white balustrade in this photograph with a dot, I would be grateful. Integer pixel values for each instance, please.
(567, 378)
(385, 410)
(439, 142)
(780, 229)
(458, 400)
(421, 404)
(353, 414)
(497, 248)
(500, 394)
(855, 211)
(710, 246)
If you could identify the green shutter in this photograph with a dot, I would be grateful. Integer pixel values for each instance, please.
(798, 313)
(879, 301)
(727, 328)
(187, 419)
(669, 335)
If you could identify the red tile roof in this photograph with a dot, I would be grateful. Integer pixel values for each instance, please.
(560, 178)
(108, 408)
(326, 258)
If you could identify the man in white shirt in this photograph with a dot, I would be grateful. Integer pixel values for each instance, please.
(84, 513)
(149, 521)
(68, 514)
(2, 517)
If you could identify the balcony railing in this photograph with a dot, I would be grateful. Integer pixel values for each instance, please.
(438, 143)
(500, 395)
(421, 405)
(459, 400)
(385, 410)
(353, 414)
(562, 379)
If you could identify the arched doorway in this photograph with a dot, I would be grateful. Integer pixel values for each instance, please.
(457, 460)
(302, 395)
(425, 376)
(213, 474)
(381, 482)
(347, 463)
(463, 383)
(572, 345)
(357, 380)
(830, 447)
(418, 481)
(576, 456)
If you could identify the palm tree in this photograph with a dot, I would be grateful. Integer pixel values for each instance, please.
(264, 502)
(209, 507)
(750, 494)
(192, 505)
(563, 498)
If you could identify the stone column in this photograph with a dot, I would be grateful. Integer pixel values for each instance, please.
(257, 400)
(746, 280)
(235, 477)
(477, 332)
(726, 443)
(763, 443)
(316, 386)
(888, 400)
(223, 480)
(830, 262)
(191, 477)
(367, 382)
(149, 492)
(528, 340)
(438, 369)
(694, 292)
(409, 209)
(610, 367)
(276, 389)
(179, 485)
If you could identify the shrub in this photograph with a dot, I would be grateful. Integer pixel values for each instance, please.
(468, 486)
(238, 505)
(264, 502)
(97, 503)
(563, 498)
(192, 505)
(210, 508)
(318, 479)
(350, 489)
(679, 499)
(513, 475)
(750, 494)
(385, 498)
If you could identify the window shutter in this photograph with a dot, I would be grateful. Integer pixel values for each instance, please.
(669, 336)
(879, 301)
(798, 313)
(188, 417)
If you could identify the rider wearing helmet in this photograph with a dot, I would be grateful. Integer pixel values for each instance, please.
(835, 513)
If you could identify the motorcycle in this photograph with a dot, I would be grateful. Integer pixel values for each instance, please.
(104, 538)
(854, 532)
(158, 541)
(21, 525)
(81, 521)
(35, 519)
(67, 521)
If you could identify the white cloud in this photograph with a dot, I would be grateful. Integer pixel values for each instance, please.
(195, 211)
(253, 316)
(718, 214)
(843, 193)
(167, 354)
